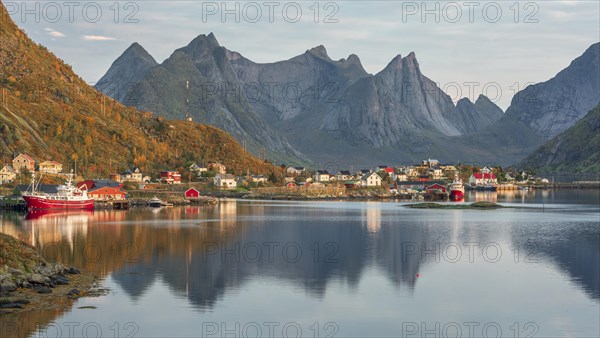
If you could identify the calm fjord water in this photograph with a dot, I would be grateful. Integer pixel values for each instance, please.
(341, 269)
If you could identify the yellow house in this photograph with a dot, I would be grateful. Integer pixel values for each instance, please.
(7, 174)
(50, 167)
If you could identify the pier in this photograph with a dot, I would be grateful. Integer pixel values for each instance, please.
(13, 204)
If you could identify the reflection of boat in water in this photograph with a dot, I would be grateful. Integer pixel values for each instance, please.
(66, 197)
(156, 202)
(58, 214)
(457, 189)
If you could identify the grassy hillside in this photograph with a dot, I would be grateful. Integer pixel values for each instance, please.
(49, 112)
(576, 150)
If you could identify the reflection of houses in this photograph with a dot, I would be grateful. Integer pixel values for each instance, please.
(23, 163)
(373, 218)
(7, 174)
(51, 167)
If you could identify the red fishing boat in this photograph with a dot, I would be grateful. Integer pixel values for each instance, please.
(457, 189)
(66, 197)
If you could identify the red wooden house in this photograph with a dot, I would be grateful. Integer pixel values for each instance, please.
(192, 193)
(107, 193)
(170, 177)
(435, 187)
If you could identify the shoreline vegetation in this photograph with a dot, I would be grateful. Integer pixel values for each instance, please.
(30, 283)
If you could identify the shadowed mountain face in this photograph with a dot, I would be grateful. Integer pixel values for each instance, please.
(334, 111)
(472, 117)
(576, 150)
(128, 69)
(550, 107)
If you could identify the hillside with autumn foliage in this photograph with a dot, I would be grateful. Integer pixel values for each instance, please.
(49, 112)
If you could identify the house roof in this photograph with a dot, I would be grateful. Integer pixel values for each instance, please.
(299, 168)
(9, 169)
(366, 176)
(106, 188)
(29, 158)
(194, 189)
(323, 172)
(225, 176)
(389, 170)
(50, 162)
(481, 176)
(345, 172)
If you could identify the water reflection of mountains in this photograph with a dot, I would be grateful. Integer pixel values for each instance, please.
(575, 252)
(192, 249)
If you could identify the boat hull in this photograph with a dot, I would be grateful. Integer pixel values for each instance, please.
(457, 195)
(39, 203)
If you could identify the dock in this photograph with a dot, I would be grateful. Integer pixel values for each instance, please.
(13, 203)
(111, 204)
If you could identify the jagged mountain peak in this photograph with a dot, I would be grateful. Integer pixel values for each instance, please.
(464, 100)
(353, 58)
(137, 51)
(482, 99)
(200, 46)
(130, 66)
(319, 51)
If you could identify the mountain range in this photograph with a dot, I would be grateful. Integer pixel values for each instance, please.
(309, 106)
(49, 112)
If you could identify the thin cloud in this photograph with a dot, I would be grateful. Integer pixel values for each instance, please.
(53, 33)
(97, 38)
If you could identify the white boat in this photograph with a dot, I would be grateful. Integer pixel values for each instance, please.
(156, 202)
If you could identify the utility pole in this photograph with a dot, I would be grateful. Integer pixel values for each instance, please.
(188, 117)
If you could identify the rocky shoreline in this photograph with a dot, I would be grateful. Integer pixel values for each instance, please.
(29, 283)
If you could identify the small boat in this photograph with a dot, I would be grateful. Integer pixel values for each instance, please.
(156, 202)
(457, 188)
(66, 197)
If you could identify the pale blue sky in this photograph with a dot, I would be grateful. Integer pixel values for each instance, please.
(478, 47)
